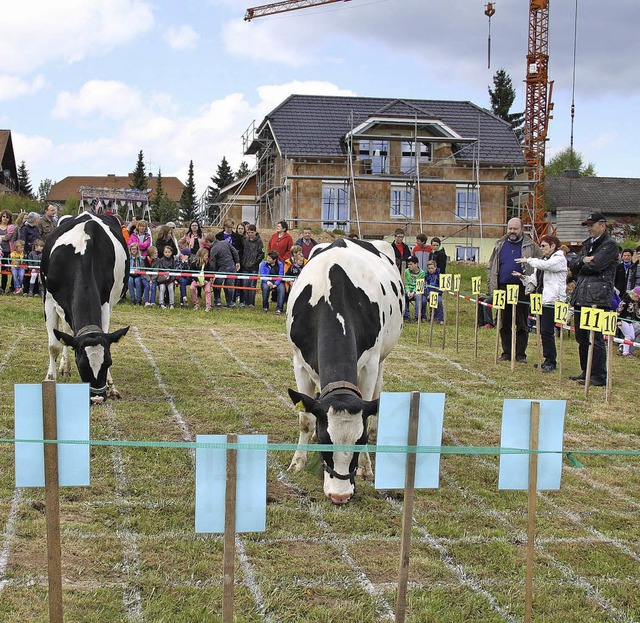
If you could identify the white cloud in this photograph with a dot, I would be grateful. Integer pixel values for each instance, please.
(37, 32)
(12, 87)
(107, 98)
(182, 37)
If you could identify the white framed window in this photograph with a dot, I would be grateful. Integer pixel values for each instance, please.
(401, 201)
(468, 254)
(335, 206)
(467, 203)
(375, 155)
(408, 158)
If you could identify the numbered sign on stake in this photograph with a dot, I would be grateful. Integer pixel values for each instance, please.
(536, 304)
(499, 299)
(72, 416)
(516, 429)
(251, 486)
(420, 286)
(456, 283)
(445, 282)
(433, 300)
(512, 293)
(475, 285)
(591, 318)
(560, 312)
(393, 429)
(610, 323)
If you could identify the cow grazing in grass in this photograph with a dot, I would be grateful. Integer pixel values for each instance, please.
(344, 316)
(85, 271)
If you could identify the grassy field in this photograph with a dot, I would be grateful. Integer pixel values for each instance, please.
(129, 548)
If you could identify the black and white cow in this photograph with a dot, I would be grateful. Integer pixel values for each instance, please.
(85, 271)
(344, 316)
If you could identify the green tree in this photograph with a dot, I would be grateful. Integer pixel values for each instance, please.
(139, 174)
(24, 183)
(188, 199)
(243, 170)
(163, 209)
(44, 188)
(224, 175)
(502, 97)
(568, 159)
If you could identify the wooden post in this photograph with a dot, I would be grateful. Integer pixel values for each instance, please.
(539, 343)
(52, 501)
(229, 531)
(498, 328)
(432, 317)
(561, 357)
(514, 311)
(609, 358)
(458, 320)
(531, 511)
(587, 380)
(444, 318)
(419, 312)
(407, 509)
(475, 335)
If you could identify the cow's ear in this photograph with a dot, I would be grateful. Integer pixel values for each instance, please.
(65, 338)
(370, 407)
(116, 335)
(302, 401)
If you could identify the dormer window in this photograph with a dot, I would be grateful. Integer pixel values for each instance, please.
(374, 156)
(408, 158)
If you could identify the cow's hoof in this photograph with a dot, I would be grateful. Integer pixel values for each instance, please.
(97, 400)
(365, 474)
(114, 394)
(297, 465)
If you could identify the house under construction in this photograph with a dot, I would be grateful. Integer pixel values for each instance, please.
(368, 165)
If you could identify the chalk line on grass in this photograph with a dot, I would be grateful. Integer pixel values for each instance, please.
(8, 534)
(131, 566)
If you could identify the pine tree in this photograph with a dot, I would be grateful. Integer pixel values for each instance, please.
(156, 199)
(224, 175)
(569, 160)
(188, 199)
(502, 97)
(139, 174)
(24, 183)
(243, 170)
(44, 189)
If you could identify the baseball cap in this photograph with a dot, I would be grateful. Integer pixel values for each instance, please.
(594, 217)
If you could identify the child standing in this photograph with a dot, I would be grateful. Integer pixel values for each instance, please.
(35, 256)
(412, 273)
(432, 284)
(183, 265)
(201, 265)
(149, 283)
(136, 262)
(166, 282)
(17, 266)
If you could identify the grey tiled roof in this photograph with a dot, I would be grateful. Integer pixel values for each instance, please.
(314, 125)
(609, 195)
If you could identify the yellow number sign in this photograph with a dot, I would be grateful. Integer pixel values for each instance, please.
(420, 286)
(560, 312)
(475, 285)
(445, 282)
(512, 293)
(499, 299)
(433, 300)
(456, 283)
(591, 319)
(610, 323)
(536, 304)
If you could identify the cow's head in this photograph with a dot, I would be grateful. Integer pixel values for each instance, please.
(341, 418)
(92, 349)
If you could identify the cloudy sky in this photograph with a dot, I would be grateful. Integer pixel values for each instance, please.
(86, 84)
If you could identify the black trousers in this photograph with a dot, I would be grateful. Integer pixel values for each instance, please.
(548, 335)
(522, 328)
(599, 363)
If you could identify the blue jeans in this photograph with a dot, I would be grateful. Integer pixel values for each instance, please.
(439, 312)
(415, 301)
(17, 277)
(229, 293)
(248, 297)
(149, 288)
(266, 293)
(135, 289)
(183, 282)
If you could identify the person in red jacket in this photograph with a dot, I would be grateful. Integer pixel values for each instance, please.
(281, 241)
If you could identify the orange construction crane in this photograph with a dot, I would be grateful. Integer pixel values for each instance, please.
(282, 7)
(538, 105)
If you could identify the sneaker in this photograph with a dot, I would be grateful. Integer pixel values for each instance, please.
(207, 309)
(251, 306)
(184, 301)
(521, 359)
(170, 306)
(25, 294)
(196, 306)
(266, 309)
(504, 357)
(18, 291)
(218, 304)
(241, 304)
(548, 368)
(147, 304)
(278, 311)
(231, 305)
(1, 291)
(163, 307)
(487, 326)
(578, 377)
(596, 382)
